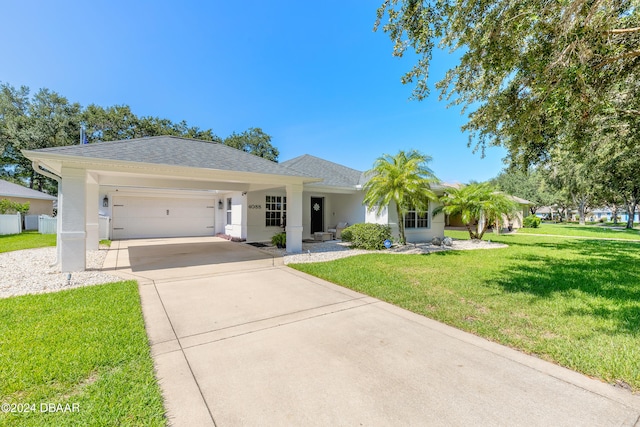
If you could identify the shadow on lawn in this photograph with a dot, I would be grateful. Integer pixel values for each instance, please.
(608, 272)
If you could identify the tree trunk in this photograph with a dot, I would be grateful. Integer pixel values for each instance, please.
(471, 235)
(631, 213)
(484, 228)
(403, 239)
(581, 212)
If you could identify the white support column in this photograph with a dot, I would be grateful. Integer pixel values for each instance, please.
(294, 218)
(93, 234)
(72, 211)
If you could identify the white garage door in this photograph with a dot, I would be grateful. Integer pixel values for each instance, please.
(139, 217)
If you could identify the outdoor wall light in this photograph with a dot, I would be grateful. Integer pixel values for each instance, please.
(105, 202)
(220, 204)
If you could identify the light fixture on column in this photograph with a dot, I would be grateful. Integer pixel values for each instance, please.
(105, 202)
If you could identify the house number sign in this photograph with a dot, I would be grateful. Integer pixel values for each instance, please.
(255, 206)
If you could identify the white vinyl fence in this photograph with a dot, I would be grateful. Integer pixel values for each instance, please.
(10, 224)
(47, 225)
(31, 222)
(103, 227)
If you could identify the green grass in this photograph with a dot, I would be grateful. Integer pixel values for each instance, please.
(26, 240)
(84, 346)
(571, 301)
(576, 230)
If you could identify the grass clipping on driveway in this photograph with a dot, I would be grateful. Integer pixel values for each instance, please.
(83, 349)
(573, 302)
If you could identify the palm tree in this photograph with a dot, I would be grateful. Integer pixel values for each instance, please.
(403, 179)
(477, 203)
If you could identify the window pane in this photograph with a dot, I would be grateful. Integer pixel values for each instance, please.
(410, 220)
(423, 220)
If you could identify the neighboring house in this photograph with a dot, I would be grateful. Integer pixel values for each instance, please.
(170, 186)
(595, 215)
(514, 221)
(39, 203)
(606, 214)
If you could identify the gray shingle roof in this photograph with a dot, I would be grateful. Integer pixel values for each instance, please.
(333, 174)
(176, 151)
(9, 189)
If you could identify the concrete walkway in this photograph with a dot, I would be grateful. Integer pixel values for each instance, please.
(239, 339)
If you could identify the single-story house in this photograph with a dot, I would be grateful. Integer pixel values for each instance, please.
(594, 215)
(170, 186)
(39, 203)
(514, 221)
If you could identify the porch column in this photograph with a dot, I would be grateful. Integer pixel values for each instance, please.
(93, 235)
(294, 218)
(72, 217)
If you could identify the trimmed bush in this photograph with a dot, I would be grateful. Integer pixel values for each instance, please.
(279, 240)
(367, 236)
(531, 221)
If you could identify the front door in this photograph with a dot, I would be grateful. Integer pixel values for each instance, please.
(317, 214)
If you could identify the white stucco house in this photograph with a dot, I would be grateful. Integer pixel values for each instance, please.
(176, 187)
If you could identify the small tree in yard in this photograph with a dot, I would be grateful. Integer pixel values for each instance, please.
(474, 202)
(403, 179)
(9, 206)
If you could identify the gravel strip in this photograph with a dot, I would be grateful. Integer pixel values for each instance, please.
(328, 251)
(31, 271)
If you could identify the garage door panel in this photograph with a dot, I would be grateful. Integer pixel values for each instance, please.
(139, 217)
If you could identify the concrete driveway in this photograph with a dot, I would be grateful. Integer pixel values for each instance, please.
(239, 339)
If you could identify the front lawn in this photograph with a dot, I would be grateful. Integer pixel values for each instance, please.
(571, 301)
(85, 349)
(598, 231)
(26, 240)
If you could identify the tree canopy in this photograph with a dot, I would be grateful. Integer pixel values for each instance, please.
(532, 75)
(253, 141)
(48, 119)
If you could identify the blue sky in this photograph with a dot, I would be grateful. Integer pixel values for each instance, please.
(313, 75)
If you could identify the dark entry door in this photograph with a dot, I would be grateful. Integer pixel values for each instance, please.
(317, 214)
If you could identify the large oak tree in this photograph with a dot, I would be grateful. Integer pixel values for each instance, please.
(532, 74)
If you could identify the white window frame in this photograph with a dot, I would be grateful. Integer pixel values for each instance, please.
(413, 216)
(229, 210)
(275, 211)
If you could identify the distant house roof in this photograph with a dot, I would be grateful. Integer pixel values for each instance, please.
(9, 189)
(521, 201)
(333, 174)
(176, 151)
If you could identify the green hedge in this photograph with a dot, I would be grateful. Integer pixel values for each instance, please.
(531, 221)
(367, 236)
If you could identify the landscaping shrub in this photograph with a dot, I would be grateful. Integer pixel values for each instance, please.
(279, 240)
(531, 221)
(367, 236)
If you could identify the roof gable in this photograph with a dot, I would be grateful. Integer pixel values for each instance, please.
(9, 189)
(333, 174)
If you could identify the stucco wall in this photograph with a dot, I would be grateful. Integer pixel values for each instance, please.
(416, 235)
(238, 227)
(337, 208)
(36, 206)
(257, 231)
